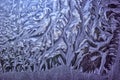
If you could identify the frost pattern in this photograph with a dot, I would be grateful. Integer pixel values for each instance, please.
(39, 35)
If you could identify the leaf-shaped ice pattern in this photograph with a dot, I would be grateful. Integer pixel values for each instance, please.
(39, 35)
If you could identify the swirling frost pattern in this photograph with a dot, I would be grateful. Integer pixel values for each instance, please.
(39, 35)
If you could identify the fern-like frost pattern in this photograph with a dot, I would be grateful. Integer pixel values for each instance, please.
(38, 35)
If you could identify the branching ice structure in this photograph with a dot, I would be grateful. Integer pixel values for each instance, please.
(39, 35)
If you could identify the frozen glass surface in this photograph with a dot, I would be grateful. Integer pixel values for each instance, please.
(39, 35)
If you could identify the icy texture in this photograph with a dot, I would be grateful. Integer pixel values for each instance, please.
(39, 35)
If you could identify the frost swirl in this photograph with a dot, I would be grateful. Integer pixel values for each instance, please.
(39, 35)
